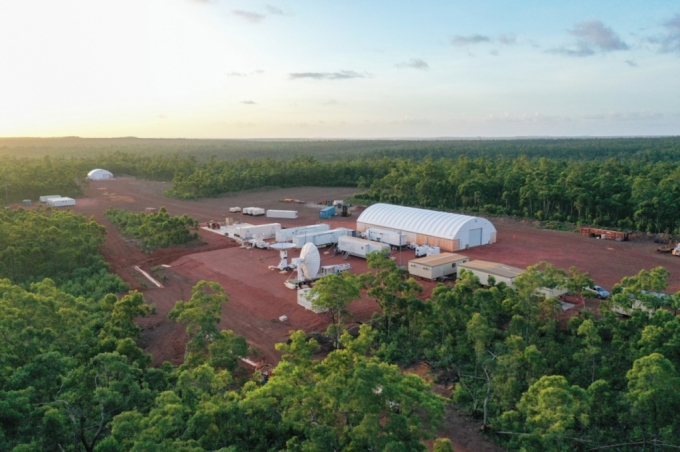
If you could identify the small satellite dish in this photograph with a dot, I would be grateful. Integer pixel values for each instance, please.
(311, 260)
(283, 252)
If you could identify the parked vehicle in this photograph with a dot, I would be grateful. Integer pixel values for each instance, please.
(598, 291)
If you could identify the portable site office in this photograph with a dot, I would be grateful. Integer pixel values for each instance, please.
(436, 266)
(61, 202)
(500, 272)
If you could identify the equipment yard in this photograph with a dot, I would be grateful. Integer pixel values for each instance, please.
(258, 296)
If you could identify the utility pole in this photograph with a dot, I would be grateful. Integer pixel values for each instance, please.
(6, 189)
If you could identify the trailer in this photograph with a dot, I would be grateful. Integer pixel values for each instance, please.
(234, 209)
(271, 213)
(327, 212)
(61, 202)
(48, 197)
(247, 232)
(286, 235)
(321, 238)
(254, 211)
(390, 237)
(436, 267)
(355, 246)
(606, 234)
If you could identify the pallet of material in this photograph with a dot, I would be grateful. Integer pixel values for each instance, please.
(605, 234)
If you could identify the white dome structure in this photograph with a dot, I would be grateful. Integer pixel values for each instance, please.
(100, 174)
(449, 231)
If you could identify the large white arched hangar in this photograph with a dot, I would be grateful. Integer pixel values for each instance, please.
(100, 174)
(449, 231)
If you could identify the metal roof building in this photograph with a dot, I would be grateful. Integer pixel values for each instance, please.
(449, 231)
(99, 174)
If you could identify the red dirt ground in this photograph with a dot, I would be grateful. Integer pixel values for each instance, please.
(258, 296)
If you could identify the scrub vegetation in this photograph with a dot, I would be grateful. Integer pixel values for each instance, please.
(154, 230)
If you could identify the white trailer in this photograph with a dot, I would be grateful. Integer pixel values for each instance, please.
(61, 202)
(437, 266)
(234, 209)
(48, 197)
(321, 238)
(248, 232)
(355, 246)
(271, 213)
(254, 211)
(393, 238)
(286, 235)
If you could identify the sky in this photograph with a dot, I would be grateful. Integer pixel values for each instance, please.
(339, 69)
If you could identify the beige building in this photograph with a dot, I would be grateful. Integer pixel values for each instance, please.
(436, 266)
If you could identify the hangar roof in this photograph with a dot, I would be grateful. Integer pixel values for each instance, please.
(420, 221)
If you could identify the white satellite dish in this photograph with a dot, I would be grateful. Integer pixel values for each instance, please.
(283, 253)
(310, 261)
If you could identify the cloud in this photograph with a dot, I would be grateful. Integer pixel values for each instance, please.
(245, 74)
(459, 40)
(340, 75)
(631, 63)
(671, 41)
(415, 63)
(508, 39)
(276, 11)
(249, 16)
(591, 36)
(248, 102)
(162, 117)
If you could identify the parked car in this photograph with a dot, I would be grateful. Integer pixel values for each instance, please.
(598, 291)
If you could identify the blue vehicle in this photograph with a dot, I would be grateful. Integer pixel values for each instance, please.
(598, 291)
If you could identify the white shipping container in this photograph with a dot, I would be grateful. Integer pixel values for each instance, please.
(389, 237)
(271, 213)
(268, 231)
(355, 246)
(45, 198)
(286, 235)
(321, 238)
(254, 211)
(61, 202)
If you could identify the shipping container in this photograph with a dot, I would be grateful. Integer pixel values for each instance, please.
(248, 232)
(321, 238)
(327, 212)
(355, 246)
(45, 198)
(271, 213)
(393, 238)
(254, 211)
(437, 266)
(286, 235)
(61, 202)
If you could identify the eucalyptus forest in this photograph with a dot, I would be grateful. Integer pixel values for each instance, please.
(73, 376)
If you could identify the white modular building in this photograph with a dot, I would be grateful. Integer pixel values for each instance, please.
(100, 174)
(267, 231)
(449, 231)
(355, 246)
(47, 197)
(393, 238)
(286, 235)
(271, 213)
(319, 239)
(61, 202)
